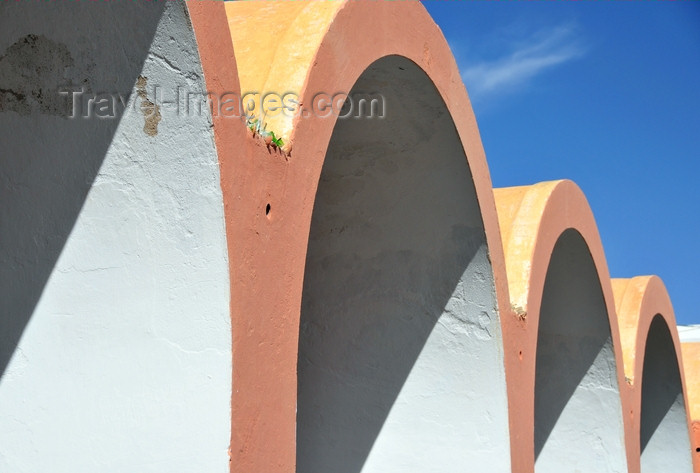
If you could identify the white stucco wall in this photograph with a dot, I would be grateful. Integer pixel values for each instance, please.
(689, 333)
(578, 412)
(664, 435)
(400, 352)
(114, 289)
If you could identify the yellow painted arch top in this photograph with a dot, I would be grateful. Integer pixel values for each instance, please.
(275, 44)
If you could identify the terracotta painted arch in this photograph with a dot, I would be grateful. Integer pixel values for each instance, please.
(648, 335)
(270, 195)
(312, 47)
(513, 246)
(533, 220)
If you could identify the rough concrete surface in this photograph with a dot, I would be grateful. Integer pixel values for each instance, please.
(400, 358)
(389, 311)
(578, 416)
(664, 436)
(115, 329)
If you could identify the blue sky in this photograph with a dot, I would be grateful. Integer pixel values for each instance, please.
(606, 94)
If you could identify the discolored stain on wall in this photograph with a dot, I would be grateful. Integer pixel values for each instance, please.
(151, 111)
(32, 71)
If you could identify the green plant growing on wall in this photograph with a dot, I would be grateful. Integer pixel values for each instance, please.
(276, 141)
(253, 124)
(259, 128)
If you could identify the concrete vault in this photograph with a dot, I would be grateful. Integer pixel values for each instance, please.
(234, 289)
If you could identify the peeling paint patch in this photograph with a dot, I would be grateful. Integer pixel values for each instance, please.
(32, 70)
(151, 111)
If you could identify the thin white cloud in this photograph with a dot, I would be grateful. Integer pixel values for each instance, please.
(527, 59)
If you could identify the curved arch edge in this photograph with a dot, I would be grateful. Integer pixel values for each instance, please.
(532, 218)
(639, 302)
(521, 224)
(268, 259)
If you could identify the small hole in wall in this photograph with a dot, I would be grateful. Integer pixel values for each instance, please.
(697, 450)
(267, 209)
(520, 355)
